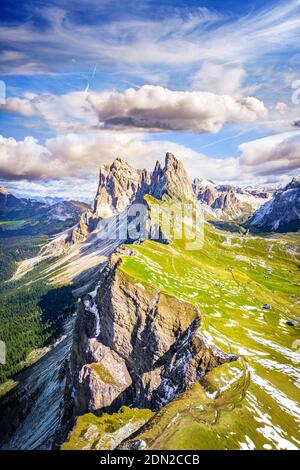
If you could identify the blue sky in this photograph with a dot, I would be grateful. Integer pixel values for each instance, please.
(216, 82)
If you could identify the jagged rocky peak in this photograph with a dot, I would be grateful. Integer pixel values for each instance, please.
(205, 191)
(227, 201)
(282, 212)
(220, 198)
(119, 185)
(171, 181)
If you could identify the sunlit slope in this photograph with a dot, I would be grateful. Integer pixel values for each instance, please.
(255, 402)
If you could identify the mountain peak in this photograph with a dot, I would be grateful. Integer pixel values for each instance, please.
(171, 182)
(170, 159)
(158, 167)
(295, 183)
(120, 160)
(119, 185)
(282, 212)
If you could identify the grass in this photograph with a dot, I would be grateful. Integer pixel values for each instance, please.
(105, 432)
(7, 387)
(103, 374)
(18, 223)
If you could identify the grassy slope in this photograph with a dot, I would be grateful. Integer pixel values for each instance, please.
(92, 432)
(251, 403)
(252, 270)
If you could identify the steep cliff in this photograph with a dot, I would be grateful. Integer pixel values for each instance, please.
(121, 185)
(136, 345)
(171, 181)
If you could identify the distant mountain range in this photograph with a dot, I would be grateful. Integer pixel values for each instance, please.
(281, 213)
(20, 216)
(229, 202)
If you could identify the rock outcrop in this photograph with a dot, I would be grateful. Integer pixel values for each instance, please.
(281, 213)
(135, 345)
(107, 431)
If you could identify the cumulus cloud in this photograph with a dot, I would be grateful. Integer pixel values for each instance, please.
(149, 107)
(70, 111)
(26, 158)
(69, 155)
(275, 154)
(219, 78)
(154, 107)
(80, 156)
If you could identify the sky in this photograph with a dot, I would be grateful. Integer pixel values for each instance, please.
(215, 82)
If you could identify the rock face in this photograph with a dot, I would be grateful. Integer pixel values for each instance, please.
(119, 186)
(171, 181)
(282, 212)
(134, 345)
(225, 201)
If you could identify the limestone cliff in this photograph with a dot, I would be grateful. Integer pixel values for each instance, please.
(171, 181)
(119, 185)
(134, 345)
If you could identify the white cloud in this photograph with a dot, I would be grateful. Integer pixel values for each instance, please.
(26, 158)
(219, 78)
(149, 107)
(80, 156)
(66, 188)
(179, 40)
(281, 107)
(70, 155)
(276, 154)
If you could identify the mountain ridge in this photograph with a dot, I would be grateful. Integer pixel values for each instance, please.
(282, 212)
